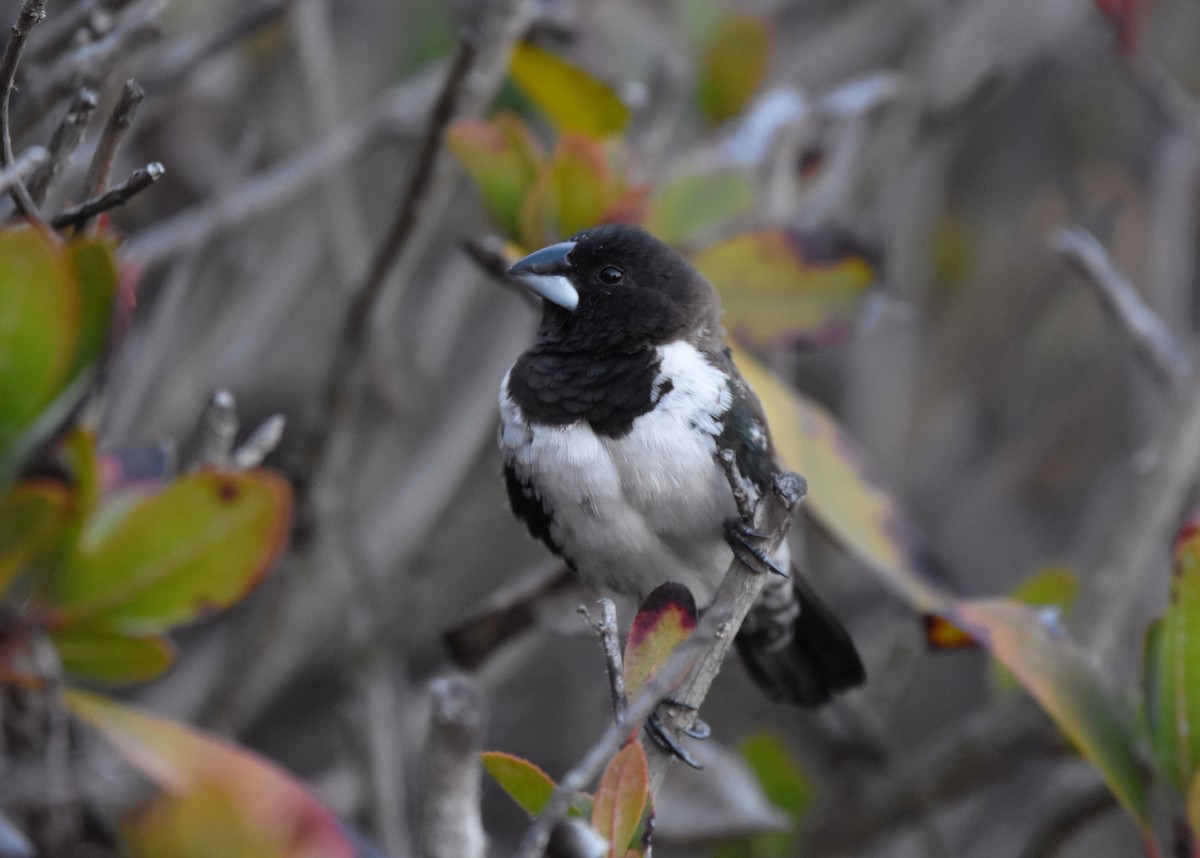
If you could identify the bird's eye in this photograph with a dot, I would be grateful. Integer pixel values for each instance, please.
(610, 275)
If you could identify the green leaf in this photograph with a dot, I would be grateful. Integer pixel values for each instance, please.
(842, 498)
(691, 206)
(1176, 706)
(525, 783)
(570, 98)
(40, 324)
(785, 284)
(215, 799)
(664, 621)
(32, 515)
(734, 66)
(621, 799)
(582, 181)
(96, 270)
(194, 547)
(1050, 586)
(785, 785)
(503, 158)
(1059, 676)
(110, 657)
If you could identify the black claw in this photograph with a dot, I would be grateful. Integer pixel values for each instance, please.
(740, 537)
(666, 740)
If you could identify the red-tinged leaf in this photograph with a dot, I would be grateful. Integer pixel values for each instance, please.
(570, 98)
(167, 558)
(621, 798)
(583, 184)
(630, 205)
(1174, 709)
(40, 325)
(105, 656)
(1058, 675)
(690, 207)
(734, 66)
(842, 498)
(96, 270)
(782, 284)
(665, 620)
(33, 514)
(525, 782)
(942, 634)
(215, 799)
(537, 221)
(1126, 18)
(503, 158)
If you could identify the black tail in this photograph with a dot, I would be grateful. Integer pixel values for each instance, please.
(801, 659)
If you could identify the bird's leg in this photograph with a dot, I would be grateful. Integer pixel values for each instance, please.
(665, 739)
(743, 539)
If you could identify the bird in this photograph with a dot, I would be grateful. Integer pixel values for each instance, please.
(611, 427)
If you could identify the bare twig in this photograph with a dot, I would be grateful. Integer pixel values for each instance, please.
(694, 663)
(110, 140)
(606, 629)
(261, 443)
(450, 823)
(32, 12)
(26, 162)
(118, 195)
(64, 141)
(1152, 341)
(218, 429)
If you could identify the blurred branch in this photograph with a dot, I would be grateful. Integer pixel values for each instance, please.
(32, 12)
(606, 629)
(1070, 813)
(450, 822)
(118, 195)
(217, 431)
(27, 162)
(110, 141)
(64, 141)
(694, 664)
(1151, 340)
(261, 443)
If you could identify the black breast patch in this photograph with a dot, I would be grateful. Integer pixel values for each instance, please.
(608, 392)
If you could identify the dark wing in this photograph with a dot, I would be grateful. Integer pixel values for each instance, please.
(527, 507)
(745, 429)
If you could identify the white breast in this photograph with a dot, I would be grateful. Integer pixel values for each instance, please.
(648, 507)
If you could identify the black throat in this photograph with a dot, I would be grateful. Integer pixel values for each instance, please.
(607, 391)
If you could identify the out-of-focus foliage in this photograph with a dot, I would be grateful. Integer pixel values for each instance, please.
(735, 62)
(786, 786)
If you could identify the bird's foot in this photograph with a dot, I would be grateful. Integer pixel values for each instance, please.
(743, 539)
(667, 741)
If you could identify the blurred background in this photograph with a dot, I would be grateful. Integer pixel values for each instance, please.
(943, 143)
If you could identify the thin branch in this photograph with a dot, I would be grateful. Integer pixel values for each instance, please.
(64, 141)
(261, 443)
(26, 162)
(451, 826)
(606, 629)
(693, 663)
(1067, 818)
(110, 141)
(32, 12)
(218, 429)
(118, 195)
(1151, 339)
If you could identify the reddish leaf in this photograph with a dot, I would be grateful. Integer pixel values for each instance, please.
(940, 633)
(525, 782)
(571, 99)
(621, 798)
(665, 620)
(782, 284)
(503, 158)
(216, 799)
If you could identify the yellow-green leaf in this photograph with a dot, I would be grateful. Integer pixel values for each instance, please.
(842, 497)
(1059, 676)
(167, 558)
(691, 206)
(96, 272)
(664, 621)
(32, 514)
(503, 158)
(110, 657)
(525, 782)
(621, 799)
(40, 323)
(215, 799)
(785, 284)
(734, 66)
(1175, 707)
(571, 99)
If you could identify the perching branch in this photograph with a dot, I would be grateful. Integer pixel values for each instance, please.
(694, 664)
(64, 141)
(32, 12)
(1152, 341)
(118, 195)
(606, 629)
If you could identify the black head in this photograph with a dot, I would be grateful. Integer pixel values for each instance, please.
(616, 288)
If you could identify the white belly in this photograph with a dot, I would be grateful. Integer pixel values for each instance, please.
(648, 507)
